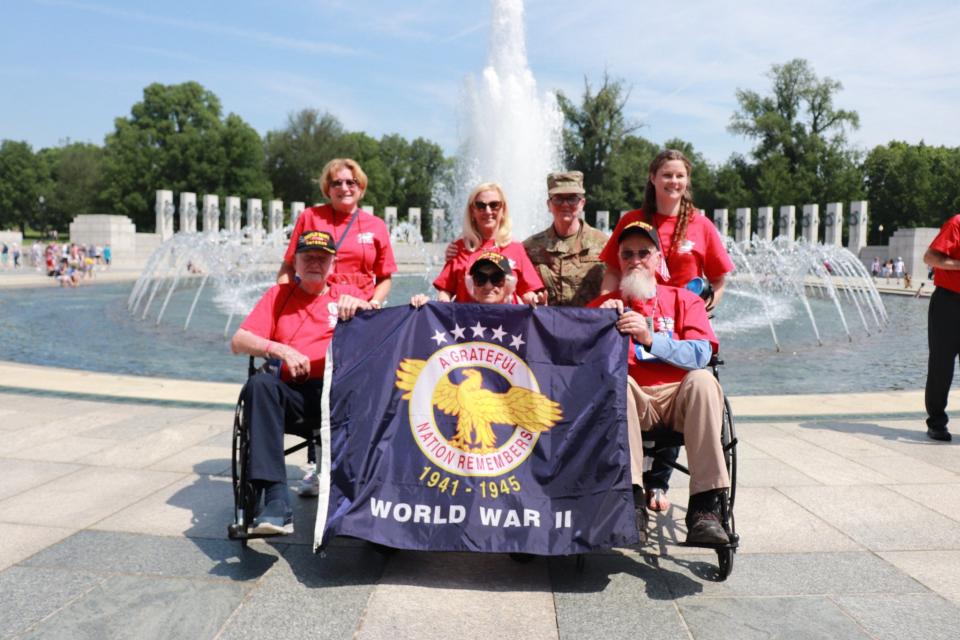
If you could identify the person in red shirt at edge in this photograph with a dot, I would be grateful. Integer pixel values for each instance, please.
(667, 383)
(486, 227)
(943, 325)
(364, 254)
(293, 322)
(692, 248)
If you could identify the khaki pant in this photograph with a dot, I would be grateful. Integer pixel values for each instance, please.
(694, 407)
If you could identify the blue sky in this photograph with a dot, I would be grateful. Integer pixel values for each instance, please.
(68, 68)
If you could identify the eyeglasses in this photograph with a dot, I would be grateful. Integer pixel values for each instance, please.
(571, 199)
(349, 183)
(497, 279)
(493, 205)
(626, 255)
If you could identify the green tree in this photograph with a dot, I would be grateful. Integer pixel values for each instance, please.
(176, 139)
(801, 146)
(296, 154)
(23, 179)
(594, 133)
(76, 180)
(416, 169)
(911, 185)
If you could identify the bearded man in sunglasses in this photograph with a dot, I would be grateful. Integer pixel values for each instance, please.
(671, 344)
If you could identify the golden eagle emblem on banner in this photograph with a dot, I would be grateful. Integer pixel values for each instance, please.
(477, 409)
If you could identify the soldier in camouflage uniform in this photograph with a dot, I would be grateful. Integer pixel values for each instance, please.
(567, 253)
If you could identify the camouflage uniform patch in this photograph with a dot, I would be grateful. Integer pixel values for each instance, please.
(570, 267)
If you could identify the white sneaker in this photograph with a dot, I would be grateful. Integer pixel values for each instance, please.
(310, 485)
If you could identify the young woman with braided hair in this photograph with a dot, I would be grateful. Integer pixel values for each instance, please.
(691, 248)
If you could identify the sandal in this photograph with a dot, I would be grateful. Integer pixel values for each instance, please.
(657, 500)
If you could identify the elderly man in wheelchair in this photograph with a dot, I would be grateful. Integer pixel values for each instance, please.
(292, 325)
(671, 344)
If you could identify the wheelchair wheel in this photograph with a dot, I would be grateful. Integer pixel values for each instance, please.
(728, 438)
(725, 561)
(243, 492)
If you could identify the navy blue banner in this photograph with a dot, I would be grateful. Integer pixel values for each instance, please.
(468, 427)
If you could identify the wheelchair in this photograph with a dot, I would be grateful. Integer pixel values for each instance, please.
(659, 439)
(244, 495)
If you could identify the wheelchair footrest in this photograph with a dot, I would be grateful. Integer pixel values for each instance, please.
(239, 532)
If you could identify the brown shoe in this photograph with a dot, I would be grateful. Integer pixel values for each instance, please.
(703, 519)
(707, 529)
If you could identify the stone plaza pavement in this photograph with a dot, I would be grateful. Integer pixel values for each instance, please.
(115, 497)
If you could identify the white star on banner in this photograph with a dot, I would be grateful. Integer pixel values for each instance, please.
(458, 332)
(498, 333)
(440, 337)
(478, 330)
(517, 341)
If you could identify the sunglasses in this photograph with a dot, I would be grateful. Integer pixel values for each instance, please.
(497, 279)
(569, 199)
(493, 205)
(349, 183)
(642, 254)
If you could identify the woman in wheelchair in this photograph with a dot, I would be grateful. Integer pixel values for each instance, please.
(672, 343)
(292, 323)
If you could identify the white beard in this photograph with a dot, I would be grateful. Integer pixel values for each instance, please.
(638, 284)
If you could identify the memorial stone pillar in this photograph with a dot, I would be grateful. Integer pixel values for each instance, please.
(211, 213)
(788, 222)
(603, 221)
(742, 232)
(390, 217)
(368, 208)
(296, 208)
(857, 235)
(721, 219)
(765, 223)
(188, 212)
(413, 217)
(275, 216)
(233, 214)
(164, 209)
(811, 222)
(438, 220)
(833, 224)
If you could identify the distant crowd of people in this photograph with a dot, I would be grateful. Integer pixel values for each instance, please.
(69, 263)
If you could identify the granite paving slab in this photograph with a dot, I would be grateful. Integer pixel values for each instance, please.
(83, 497)
(879, 518)
(823, 465)
(903, 617)
(936, 570)
(194, 506)
(28, 595)
(20, 475)
(769, 521)
(616, 596)
(201, 459)
(141, 608)
(142, 451)
(20, 541)
(459, 595)
(65, 448)
(768, 472)
(761, 618)
(790, 574)
(111, 552)
(144, 424)
(309, 596)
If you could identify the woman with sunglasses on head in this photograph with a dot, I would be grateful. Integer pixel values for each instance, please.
(364, 254)
(486, 227)
(691, 248)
